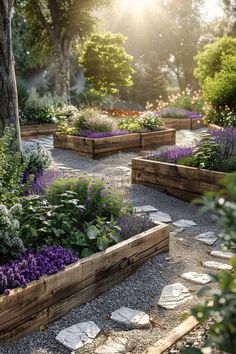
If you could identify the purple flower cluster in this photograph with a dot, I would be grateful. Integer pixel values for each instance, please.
(95, 135)
(179, 113)
(131, 225)
(30, 266)
(171, 155)
(226, 138)
(43, 179)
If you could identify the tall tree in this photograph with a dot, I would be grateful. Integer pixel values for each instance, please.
(230, 11)
(8, 92)
(62, 21)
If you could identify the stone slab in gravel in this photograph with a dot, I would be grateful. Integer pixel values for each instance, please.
(131, 318)
(113, 346)
(78, 335)
(209, 238)
(221, 254)
(184, 223)
(160, 217)
(173, 295)
(217, 265)
(145, 209)
(197, 278)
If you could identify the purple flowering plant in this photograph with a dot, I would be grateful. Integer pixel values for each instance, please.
(178, 113)
(97, 135)
(131, 225)
(31, 265)
(171, 155)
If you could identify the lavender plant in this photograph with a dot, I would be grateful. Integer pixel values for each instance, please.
(171, 155)
(32, 265)
(131, 225)
(178, 113)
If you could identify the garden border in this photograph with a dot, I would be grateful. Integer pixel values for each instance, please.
(215, 127)
(95, 148)
(37, 129)
(184, 123)
(183, 182)
(27, 309)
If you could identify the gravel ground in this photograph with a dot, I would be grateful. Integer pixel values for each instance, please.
(140, 291)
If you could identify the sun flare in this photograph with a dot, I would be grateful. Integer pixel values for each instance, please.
(138, 6)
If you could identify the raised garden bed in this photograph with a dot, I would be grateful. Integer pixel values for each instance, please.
(182, 182)
(184, 123)
(47, 299)
(40, 129)
(97, 147)
(215, 127)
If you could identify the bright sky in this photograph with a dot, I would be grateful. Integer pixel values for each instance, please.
(212, 9)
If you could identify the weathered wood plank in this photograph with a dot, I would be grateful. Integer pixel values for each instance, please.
(35, 130)
(176, 334)
(184, 123)
(215, 127)
(25, 310)
(158, 138)
(183, 182)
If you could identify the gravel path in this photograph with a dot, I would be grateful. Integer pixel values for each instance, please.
(140, 291)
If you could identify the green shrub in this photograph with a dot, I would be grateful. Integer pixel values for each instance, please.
(131, 124)
(46, 109)
(148, 121)
(37, 158)
(220, 90)
(222, 333)
(10, 241)
(92, 119)
(222, 116)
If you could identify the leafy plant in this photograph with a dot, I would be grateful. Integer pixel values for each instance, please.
(131, 225)
(97, 236)
(130, 124)
(10, 241)
(178, 113)
(37, 158)
(150, 121)
(224, 117)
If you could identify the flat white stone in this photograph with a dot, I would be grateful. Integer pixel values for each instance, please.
(113, 346)
(145, 209)
(160, 217)
(131, 318)
(184, 223)
(221, 254)
(197, 278)
(173, 295)
(217, 265)
(78, 335)
(207, 237)
(177, 231)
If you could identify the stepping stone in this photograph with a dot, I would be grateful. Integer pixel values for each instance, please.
(77, 336)
(207, 237)
(217, 265)
(145, 209)
(113, 346)
(173, 295)
(131, 318)
(160, 217)
(184, 223)
(197, 278)
(221, 254)
(177, 231)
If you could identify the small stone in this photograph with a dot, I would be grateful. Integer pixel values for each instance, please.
(177, 231)
(113, 346)
(207, 237)
(78, 335)
(145, 209)
(197, 278)
(160, 217)
(217, 265)
(221, 254)
(131, 318)
(184, 223)
(173, 295)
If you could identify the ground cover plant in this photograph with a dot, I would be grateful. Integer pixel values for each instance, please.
(216, 150)
(178, 113)
(145, 122)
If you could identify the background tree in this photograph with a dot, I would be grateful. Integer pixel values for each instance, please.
(230, 11)
(209, 59)
(8, 92)
(107, 65)
(61, 22)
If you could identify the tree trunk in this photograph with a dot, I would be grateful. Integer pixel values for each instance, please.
(62, 56)
(9, 114)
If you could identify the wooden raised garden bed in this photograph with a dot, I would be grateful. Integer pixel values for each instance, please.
(182, 182)
(184, 123)
(99, 147)
(47, 299)
(215, 127)
(40, 129)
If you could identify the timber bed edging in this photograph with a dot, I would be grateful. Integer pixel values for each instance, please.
(47, 299)
(28, 131)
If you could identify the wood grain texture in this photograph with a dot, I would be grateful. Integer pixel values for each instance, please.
(182, 182)
(39, 129)
(47, 299)
(95, 148)
(215, 127)
(176, 334)
(184, 123)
